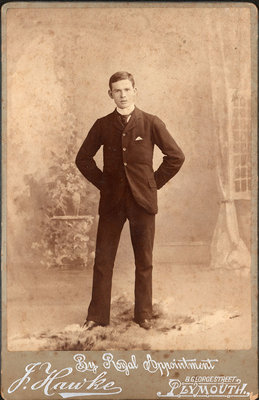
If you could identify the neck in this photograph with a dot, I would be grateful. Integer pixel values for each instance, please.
(126, 111)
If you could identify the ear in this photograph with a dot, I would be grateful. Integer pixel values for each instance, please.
(110, 94)
(135, 90)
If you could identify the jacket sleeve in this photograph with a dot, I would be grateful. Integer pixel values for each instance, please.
(173, 155)
(84, 159)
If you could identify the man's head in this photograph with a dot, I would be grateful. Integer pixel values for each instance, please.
(122, 89)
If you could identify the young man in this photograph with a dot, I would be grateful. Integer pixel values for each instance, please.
(128, 190)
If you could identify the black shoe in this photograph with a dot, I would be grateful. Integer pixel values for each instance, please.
(145, 324)
(89, 325)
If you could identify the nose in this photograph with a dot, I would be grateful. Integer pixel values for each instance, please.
(123, 94)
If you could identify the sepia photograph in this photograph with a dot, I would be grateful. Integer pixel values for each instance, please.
(129, 177)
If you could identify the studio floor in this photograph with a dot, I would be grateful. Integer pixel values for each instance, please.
(194, 308)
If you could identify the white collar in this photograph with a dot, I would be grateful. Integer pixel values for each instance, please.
(126, 111)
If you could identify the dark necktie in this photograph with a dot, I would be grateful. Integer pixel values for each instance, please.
(124, 119)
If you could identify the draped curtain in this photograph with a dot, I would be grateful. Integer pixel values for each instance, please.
(228, 250)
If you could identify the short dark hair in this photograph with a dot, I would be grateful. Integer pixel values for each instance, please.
(119, 76)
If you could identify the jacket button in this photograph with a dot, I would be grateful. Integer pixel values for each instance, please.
(124, 134)
(125, 164)
(124, 149)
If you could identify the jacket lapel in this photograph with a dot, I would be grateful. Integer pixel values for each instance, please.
(116, 122)
(136, 115)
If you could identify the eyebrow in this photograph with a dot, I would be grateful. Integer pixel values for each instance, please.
(116, 90)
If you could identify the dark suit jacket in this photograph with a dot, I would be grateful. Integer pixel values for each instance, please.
(128, 157)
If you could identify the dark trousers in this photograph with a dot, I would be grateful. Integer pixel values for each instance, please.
(142, 229)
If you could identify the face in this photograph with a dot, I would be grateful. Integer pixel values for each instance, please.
(123, 93)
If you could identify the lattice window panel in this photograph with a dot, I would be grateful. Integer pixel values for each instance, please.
(240, 148)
